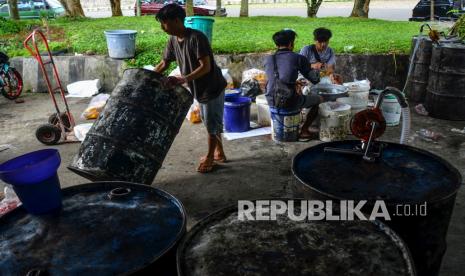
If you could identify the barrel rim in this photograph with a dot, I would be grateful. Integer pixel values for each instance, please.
(89, 186)
(218, 214)
(388, 203)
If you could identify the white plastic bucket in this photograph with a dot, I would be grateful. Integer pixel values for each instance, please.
(263, 111)
(334, 121)
(359, 97)
(285, 125)
(354, 109)
(121, 43)
(391, 110)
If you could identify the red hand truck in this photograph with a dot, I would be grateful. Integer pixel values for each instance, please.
(60, 125)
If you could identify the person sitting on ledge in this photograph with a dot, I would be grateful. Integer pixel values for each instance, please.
(321, 56)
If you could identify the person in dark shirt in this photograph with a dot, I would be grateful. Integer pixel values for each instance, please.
(191, 50)
(289, 65)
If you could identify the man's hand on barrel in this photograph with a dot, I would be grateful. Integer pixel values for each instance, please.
(174, 80)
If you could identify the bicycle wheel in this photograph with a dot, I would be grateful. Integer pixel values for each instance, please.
(13, 84)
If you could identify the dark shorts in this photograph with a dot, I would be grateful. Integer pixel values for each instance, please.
(308, 101)
(211, 113)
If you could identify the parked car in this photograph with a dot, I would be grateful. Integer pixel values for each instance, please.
(443, 10)
(34, 9)
(149, 7)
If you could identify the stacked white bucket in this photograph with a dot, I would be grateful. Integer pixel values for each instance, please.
(334, 120)
(358, 98)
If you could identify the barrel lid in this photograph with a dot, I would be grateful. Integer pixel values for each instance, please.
(222, 243)
(93, 234)
(403, 174)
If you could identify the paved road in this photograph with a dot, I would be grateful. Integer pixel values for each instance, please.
(394, 10)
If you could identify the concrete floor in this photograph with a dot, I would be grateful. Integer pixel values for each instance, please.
(258, 167)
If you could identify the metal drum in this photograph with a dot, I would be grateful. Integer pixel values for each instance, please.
(403, 175)
(135, 130)
(420, 57)
(104, 228)
(223, 245)
(445, 98)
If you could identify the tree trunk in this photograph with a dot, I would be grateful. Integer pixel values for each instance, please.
(312, 7)
(14, 13)
(218, 8)
(116, 8)
(64, 3)
(244, 8)
(76, 8)
(361, 8)
(190, 7)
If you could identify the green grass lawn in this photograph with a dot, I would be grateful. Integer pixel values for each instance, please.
(230, 35)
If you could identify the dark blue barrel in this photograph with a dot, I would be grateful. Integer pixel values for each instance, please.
(237, 114)
(135, 130)
(445, 97)
(403, 176)
(221, 244)
(104, 228)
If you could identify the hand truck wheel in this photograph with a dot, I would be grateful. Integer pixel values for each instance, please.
(53, 119)
(48, 134)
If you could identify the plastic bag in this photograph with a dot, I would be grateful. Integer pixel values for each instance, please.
(80, 131)
(10, 201)
(228, 78)
(95, 107)
(255, 74)
(251, 88)
(363, 85)
(176, 72)
(83, 89)
(193, 115)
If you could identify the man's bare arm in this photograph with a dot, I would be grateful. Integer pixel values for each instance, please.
(162, 66)
(200, 71)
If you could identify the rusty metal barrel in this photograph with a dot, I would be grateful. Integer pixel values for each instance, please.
(104, 228)
(135, 130)
(222, 244)
(445, 98)
(418, 188)
(420, 57)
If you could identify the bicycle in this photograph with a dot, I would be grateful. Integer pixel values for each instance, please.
(11, 83)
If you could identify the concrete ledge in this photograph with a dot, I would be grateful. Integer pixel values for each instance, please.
(70, 69)
(381, 70)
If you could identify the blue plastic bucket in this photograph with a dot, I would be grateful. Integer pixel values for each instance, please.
(285, 124)
(121, 43)
(237, 114)
(201, 23)
(35, 180)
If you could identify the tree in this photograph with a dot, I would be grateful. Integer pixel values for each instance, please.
(312, 7)
(14, 13)
(218, 8)
(116, 8)
(244, 8)
(76, 7)
(190, 7)
(72, 8)
(65, 6)
(361, 8)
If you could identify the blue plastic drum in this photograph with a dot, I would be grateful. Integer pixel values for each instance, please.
(35, 180)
